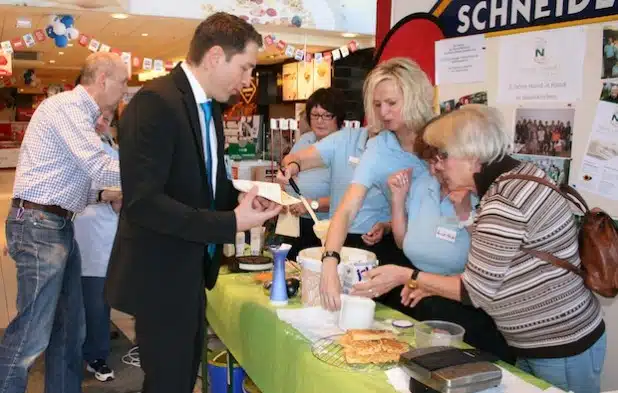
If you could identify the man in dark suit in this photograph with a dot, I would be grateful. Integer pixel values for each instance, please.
(179, 205)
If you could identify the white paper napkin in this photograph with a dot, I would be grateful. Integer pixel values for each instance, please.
(270, 191)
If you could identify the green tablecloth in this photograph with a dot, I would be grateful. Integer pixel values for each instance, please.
(274, 354)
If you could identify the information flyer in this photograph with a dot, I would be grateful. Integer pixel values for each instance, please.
(460, 60)
(599, 170)
(542, 66)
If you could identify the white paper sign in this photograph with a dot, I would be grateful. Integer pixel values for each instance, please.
(460, 60)
(29, 40)
(158, 65)
(6, 47)
(147, 65)
(542, 66)
(105, 48)
(599, 169)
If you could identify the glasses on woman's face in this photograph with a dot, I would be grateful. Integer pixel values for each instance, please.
(324, 116)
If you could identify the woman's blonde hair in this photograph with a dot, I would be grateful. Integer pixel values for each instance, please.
(473, 130)
(416, 90)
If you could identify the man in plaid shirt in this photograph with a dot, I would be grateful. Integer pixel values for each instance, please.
(60, 161)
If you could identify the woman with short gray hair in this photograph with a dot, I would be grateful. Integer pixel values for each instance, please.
(546, 314)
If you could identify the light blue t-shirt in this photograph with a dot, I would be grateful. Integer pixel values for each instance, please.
(383, 157)
(341, 152)
(313, 183)
(431, 221)
(610, 51)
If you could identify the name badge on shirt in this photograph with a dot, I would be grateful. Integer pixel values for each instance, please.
(354, 160)
(447, 234)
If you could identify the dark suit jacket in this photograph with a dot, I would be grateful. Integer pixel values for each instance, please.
(160, 253)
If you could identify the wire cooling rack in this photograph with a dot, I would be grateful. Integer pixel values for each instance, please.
(331, 352)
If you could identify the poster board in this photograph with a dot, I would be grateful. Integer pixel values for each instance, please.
(585, 108)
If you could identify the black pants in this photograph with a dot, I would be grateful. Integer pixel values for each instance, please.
(307, 239)
(170, 347)
(481, 331)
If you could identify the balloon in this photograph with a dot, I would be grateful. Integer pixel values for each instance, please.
(61, 41)
(59, 29)
(72, 33)
(53, 19)
(67, 20)
(50, 32)
(296, 21)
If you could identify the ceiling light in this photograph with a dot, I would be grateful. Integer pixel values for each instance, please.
(144, 34)
(52, 61)
(24, 23)
(61, 53)
(69, 45)
(119, 16)
(349, 35)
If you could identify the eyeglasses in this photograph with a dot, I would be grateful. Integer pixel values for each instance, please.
(441, 156)
(323, 116)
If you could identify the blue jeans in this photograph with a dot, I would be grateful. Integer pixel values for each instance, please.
(96, 345)
(50, 308)
(580, 373)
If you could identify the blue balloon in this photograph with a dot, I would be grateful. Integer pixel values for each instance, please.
(61, 41)
(50, 32)
(296, 21)
(67, 20)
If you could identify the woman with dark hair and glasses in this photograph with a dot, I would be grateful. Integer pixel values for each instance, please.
(324, 112)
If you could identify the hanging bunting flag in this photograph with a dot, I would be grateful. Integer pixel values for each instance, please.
(94, 45)
(328, 57)
(353, 45)
(318, 57)
(39, 35)
(344, 51)
(17, 43)
(126, 59)
(6, 47)
(299, 55)
(308, 57)
(83, 40)
(289, 51)
(169, 65)
(136, 62)
(147, 64)
(158, 65)
(269, 40)
(104, 48)
(29, 40)
(336, 55)
(281, 45)
(116, 51)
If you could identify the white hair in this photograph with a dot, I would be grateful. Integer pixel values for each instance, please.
(472, 131)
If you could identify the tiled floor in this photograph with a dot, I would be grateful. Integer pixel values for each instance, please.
(126, 324)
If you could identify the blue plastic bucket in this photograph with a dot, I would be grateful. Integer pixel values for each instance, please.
(217, 374)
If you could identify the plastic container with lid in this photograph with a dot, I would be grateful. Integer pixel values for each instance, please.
(354, 262)
(438, 333)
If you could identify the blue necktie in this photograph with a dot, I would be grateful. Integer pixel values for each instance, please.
(206, 107)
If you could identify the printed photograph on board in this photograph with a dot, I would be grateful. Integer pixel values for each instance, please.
(556, 168)
(544, 132)
(610, 92)
(475, 98)
(447, 106)
(610, 52)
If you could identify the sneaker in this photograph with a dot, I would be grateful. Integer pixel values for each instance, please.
(100, 370)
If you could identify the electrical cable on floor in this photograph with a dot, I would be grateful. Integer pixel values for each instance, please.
(132, 357)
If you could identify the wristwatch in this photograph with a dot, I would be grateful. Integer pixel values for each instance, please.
(315, 205)
(412, 281)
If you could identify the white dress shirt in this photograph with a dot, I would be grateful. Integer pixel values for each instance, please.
(200, 97)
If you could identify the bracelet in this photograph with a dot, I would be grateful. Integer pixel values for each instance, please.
(297, 164)
(331, 254)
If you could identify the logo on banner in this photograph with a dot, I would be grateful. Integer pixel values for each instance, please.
(614, 119)
(539, 51)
